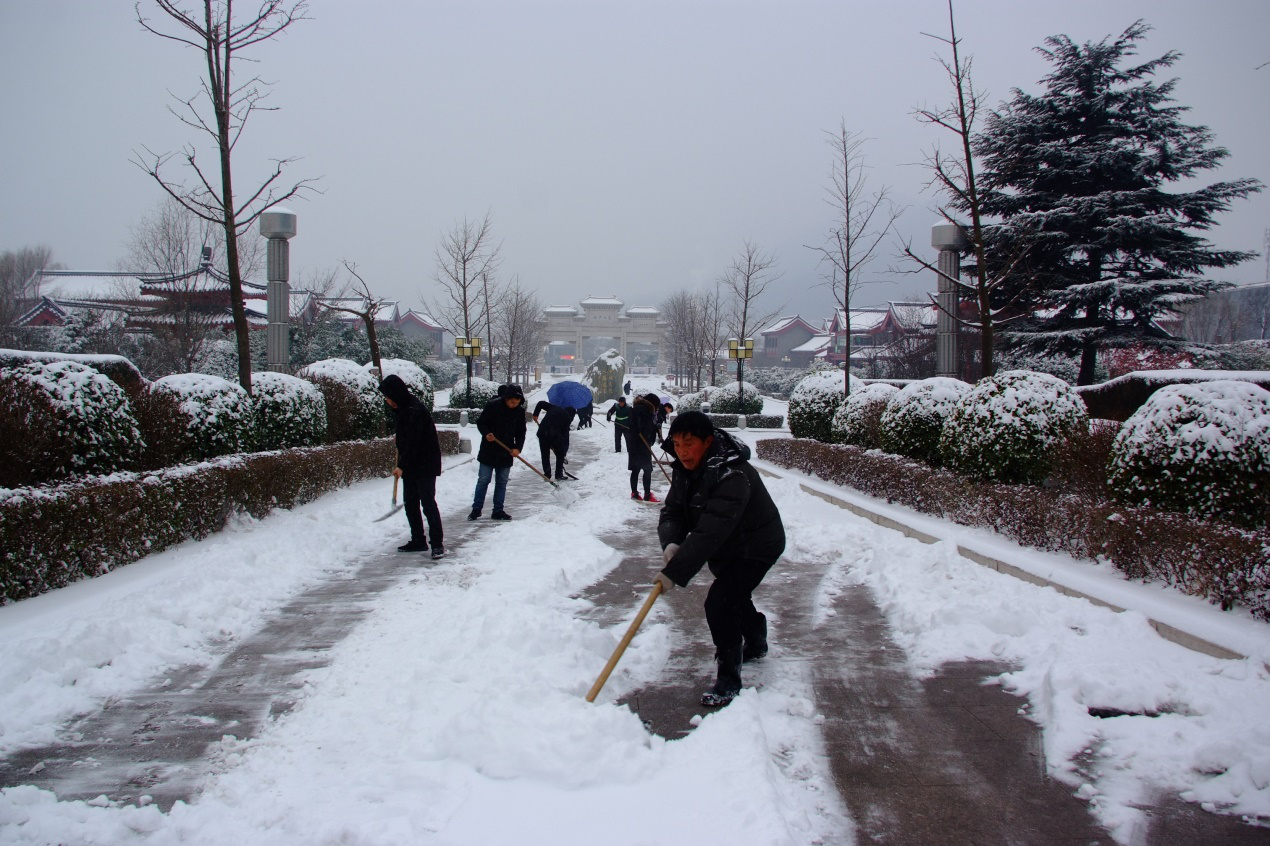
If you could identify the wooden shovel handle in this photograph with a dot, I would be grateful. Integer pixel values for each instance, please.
(626, 639)
(526, 463)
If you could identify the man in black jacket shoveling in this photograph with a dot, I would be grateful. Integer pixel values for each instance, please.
(502, 428)
(718, 512)
(553, 435)
(418, 464)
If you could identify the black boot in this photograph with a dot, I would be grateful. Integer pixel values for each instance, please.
(755, 640)
(728, 684)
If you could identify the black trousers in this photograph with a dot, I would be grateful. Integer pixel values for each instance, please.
(619, 433)
(547, 450)
(420, 495)
(730, 610)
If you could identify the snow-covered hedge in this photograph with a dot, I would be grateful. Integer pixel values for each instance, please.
(33, 446)
(1203, 449)
(218, 411)
(415, 377)
(729, 399)
(1007, 428)
(287, 410)
(812, 404)
(90, 413)
(858, 420)
(914, 418)
(354, 406)
(692, 402)
(483, 392)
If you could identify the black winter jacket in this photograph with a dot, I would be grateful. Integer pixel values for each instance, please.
(508, 425)
(719, 513)
(418, 450)
(553, 423)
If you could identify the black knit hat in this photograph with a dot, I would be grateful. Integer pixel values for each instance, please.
(511, 392)
(395, 389)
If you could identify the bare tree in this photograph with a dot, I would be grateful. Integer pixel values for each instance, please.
(368, 310)
(220, 38)
(466, 257)
(861, 220)
(747, 278)
(519, 330)
(954, 176)
(17, 287)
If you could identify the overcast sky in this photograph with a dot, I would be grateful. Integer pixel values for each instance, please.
(623, 148)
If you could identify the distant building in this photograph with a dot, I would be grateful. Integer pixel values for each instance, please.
(575, 338)
(783, 344)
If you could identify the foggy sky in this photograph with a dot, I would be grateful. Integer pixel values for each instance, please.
(622, 148)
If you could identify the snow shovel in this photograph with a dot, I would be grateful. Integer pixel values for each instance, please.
(626, 640)
(527, 464)
(395, 507)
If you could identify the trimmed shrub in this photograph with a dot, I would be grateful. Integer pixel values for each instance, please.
(354, 406)
(1202, 449)
(218, 411)
(33, 446)
(287, 411)
(914, 419)
(812, 405)
(692, 402)
(92, 414)
(116, 368)
(451, 415)
(729, 399)
(764, 421)
(1007, 428)
(859, 419)
(415, 377)
(483, 392)
(165, 429)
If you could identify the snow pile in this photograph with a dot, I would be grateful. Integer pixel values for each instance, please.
(483, 392)
(914, 419)
(416, 379)
(1202, 448)
(94, 415)
(813, 402)
(287, 411)
(858, 420)
(731, 399)
(354, 406)
(219, 412)
(1006, 428)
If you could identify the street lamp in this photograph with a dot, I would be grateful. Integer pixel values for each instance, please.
(468, 348)
(739, 351)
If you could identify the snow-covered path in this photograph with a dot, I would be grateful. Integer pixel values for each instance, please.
(453, 712)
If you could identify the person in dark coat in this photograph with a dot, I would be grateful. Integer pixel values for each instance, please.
(719, 513)
(584, 416)
(639, 442)
(620, 414)
(418, 464)
(502, 419)
(553, 435)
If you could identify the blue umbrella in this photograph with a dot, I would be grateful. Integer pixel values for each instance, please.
(571, 394)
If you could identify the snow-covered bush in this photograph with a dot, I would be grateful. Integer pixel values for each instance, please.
(1202, 448)
(445, 372)
(1008, 427)
(354, 406)
(287, 411)
(692, 402)
(858, 420)
(483, 392)
(1065, 367)
(91, 414)
(729, 399)
(33, 448)
(778, 381)
(812, 404)
(914, 418)
(218, 411)
(415, 377)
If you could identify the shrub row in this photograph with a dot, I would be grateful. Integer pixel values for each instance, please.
(451, 415)
(53, 536)
(1225, 564)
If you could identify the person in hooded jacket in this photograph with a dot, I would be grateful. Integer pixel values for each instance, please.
(553, 435)
(418, 464)
(719, 513)
(502, 420)
(639, 444)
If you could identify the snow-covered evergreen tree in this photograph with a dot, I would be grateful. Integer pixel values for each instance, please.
(1077, 176)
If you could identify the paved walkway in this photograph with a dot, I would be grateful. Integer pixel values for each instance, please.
(944, 760)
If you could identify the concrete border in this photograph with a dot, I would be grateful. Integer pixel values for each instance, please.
(1166, 631)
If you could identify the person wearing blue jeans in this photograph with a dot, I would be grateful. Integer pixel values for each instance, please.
(502, 428)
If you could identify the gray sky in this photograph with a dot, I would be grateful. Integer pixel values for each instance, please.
(624, 148)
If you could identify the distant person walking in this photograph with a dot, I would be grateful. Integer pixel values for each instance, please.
(418, 464)
(718, 512)
(502, 419)
(620, 414)
(553, 435)
(626, 389)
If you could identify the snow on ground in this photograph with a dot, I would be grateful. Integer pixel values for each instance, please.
(454, 713)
